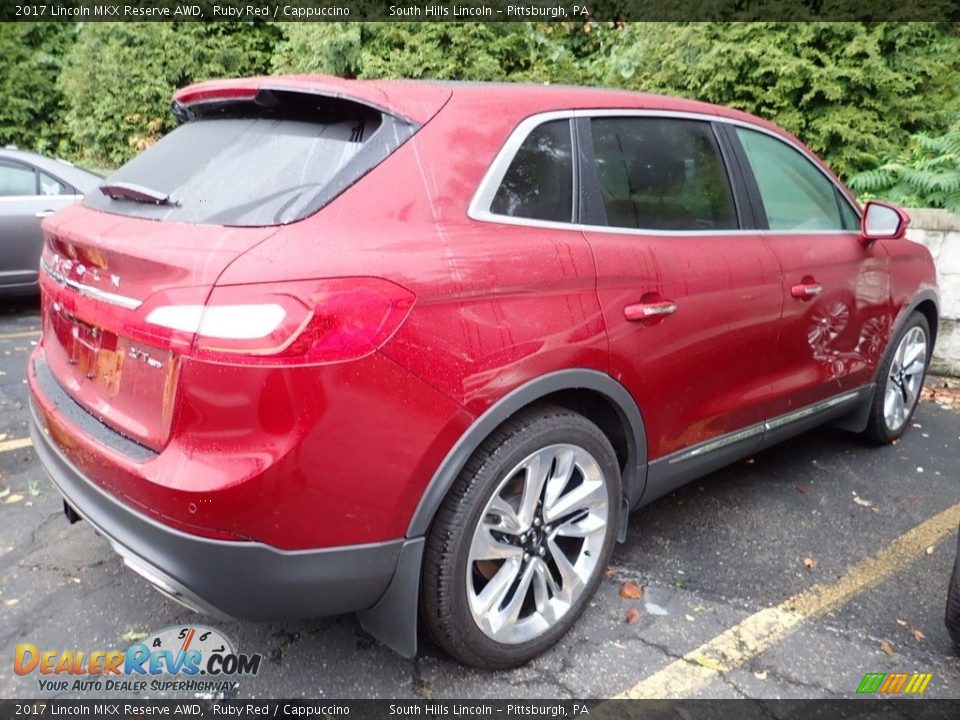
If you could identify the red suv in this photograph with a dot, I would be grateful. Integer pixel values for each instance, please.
(417, 347)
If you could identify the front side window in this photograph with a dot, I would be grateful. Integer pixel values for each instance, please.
(17, 180)
(796, 195)
(539, 182)
(662, 174)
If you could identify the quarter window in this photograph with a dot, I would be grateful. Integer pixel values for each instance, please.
(539, 182)
(662, 174)
(796, 195)
(16, 180)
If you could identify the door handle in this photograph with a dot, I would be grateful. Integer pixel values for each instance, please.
(806, 290)
(647, 310)
(44, 213)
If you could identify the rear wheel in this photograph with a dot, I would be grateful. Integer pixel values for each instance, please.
(520, 543)
(900, 380)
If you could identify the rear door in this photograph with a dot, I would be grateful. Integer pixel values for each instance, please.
(835, 292)
(26, 197)
(690, 294)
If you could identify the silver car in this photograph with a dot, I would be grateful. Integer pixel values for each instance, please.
(31, 187)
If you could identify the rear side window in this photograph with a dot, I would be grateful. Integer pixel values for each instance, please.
(796, 194)
(539, 182)
(248, 165)
(662, 174)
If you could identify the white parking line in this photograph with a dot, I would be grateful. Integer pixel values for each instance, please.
(20, 335)
(744, 641)
(16, 444)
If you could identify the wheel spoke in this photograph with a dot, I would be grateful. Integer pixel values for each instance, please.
(588, 495)
(536, 474)
(486, 547)
(565, 464)
(889, 401)
(511, 612)
(493, 594)
(509, 521)
(582, 527)
(570, 580)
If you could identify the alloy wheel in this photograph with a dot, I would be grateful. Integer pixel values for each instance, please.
(905, 378)
(537, 543)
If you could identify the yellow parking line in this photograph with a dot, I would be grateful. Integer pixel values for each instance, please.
(734, 647)
(7, 445)
(19, 335)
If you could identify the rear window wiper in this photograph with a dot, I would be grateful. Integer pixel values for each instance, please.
(137, 193)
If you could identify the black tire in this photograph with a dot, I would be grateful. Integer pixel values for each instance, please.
(445, 612)
(952, 617)
(877, 429)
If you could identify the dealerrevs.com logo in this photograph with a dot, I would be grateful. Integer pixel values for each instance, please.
(178, 659)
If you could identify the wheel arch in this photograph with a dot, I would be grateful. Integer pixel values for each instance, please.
(393, 619)
(594, 394)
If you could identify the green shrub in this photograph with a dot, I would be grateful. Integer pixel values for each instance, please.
(925, 174)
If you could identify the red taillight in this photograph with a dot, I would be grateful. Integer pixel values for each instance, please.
(303, 322)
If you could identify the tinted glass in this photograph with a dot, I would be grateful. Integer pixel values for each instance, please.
(17, 180)
(254, 171)
(796, 194)
(662, 174)
(51, 186)
(539, 181)
(851, 221)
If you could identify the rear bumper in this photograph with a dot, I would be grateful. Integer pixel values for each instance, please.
(244, 580)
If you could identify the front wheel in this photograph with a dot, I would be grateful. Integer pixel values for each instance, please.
(900, 380)
(520, 543)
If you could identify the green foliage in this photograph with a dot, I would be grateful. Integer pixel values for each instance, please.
(30, 103)
(439, 50)
(855, 92)
(925, 174)
(849, 90)
(118, 78)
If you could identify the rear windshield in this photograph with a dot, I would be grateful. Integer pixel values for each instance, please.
(260, 167)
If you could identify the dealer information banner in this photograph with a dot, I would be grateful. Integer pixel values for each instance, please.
(476, 10)
(527, 709)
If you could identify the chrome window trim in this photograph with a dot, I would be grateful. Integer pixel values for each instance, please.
(95, 293)
(479, 207)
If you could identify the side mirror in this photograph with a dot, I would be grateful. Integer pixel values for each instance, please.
(882, 221)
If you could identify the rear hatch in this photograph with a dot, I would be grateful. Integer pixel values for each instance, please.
(126, 276)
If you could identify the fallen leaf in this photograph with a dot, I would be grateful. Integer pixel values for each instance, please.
(887, 647)
(632, 617)
(132, 636)
(631, 591)
(11, 602)
(902, 623)
(809, 563)
(13, 499)
(918, 635)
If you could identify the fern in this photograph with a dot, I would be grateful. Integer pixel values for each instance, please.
(925, 174)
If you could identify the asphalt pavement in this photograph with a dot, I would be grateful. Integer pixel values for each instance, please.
(789, 575)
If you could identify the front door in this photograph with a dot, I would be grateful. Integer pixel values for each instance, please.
(836, 320)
